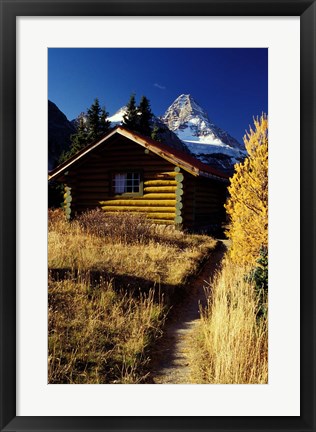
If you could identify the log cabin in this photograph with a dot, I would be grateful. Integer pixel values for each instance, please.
(127, 172)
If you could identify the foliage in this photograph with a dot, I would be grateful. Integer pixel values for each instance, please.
(89, 129)
(127, 228)
(55, 194)
(145, 116)
(247, 205)
(80, 138)
(130, 118)
(139, 118)
(258, 276)
(97, 121)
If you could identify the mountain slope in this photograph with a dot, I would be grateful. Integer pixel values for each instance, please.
(59, 131)
(166, 135)
(204, 139)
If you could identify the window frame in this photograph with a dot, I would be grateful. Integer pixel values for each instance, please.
(127, 194)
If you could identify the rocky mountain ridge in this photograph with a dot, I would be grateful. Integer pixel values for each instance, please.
(208, 142)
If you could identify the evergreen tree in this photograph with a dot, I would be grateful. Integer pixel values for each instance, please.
(130, 118)
(247, 206)
(145, 117)
(98, 124)
(80, 138)
(88, 130)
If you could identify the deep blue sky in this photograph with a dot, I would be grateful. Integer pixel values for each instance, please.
(231, 84)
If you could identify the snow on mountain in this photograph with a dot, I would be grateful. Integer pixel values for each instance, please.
(186, 126)
(117, 118)
(204, 139)
(166, 135)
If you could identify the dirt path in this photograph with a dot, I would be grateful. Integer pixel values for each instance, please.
(171, 363)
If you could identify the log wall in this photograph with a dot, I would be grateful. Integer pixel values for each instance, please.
(162, 189)
(170, 195)
(203, 204)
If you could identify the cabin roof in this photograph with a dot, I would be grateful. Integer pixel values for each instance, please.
(183, 160)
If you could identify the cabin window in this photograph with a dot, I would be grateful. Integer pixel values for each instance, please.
(126, 183)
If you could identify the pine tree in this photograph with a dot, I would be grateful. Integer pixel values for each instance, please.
(98, 124)
(130, 118)
(145, 117)
(80, 138)
(88, 130)
(247, 206)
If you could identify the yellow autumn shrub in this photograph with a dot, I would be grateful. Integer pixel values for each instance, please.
(247, 205)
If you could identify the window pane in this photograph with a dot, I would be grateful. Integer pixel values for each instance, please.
(119, 183)
(126, 182)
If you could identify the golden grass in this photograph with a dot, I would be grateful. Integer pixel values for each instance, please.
(163, 256)
(99, 336)
(231, 343)
(96, 334)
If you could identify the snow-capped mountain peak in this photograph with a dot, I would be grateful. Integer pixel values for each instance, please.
(183, 109)
(204, 139)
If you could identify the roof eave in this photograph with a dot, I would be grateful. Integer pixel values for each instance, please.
(60, 171)
(63, 167)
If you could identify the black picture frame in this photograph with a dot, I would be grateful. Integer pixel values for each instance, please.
(10, 9)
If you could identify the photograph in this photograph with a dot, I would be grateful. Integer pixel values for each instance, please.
(157, 216)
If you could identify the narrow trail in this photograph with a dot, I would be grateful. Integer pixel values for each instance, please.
(171, 362)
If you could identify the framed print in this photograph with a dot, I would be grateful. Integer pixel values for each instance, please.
(45, 44)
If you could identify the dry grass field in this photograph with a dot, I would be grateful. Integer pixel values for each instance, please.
(231, 343)
(125, 244)
(98, 334)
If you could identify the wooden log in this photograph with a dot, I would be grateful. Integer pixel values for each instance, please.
(160, 183)
(139, 209)
(139, 203)
(104, 192)
(88, 203)
(178, 219)
(92, 177)
(179, 192)
(168, 173)
(159, 196)
(179, 177)
(177, 169)
(189, 217)
(158, 189)
(90, 184)
(148, 196)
